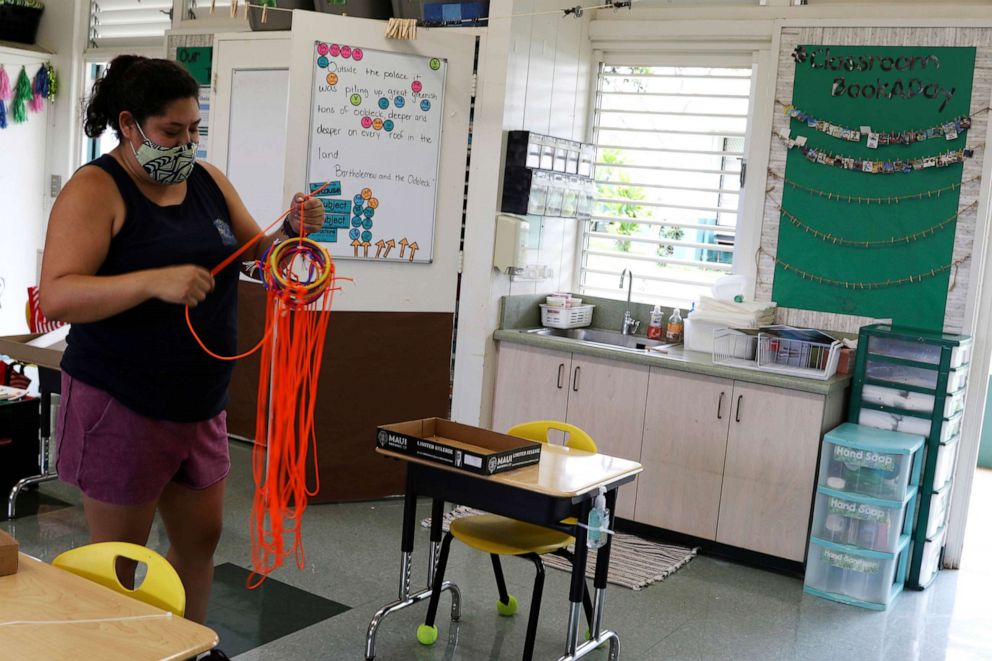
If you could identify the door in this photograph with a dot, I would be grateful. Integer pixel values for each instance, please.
(249, 106)
(606, 399)
(770, 470)
(685, 443)
(531, 384)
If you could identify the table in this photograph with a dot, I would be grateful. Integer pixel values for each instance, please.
(561, 485)
(54, 604)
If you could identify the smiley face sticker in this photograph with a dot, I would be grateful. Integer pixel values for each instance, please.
(333, 50)
(399, 101)
(383, 103)
(366, 122)
(356, 99)
(435, 63)
(366, 193)
(322, 49)
(332, 78)
(322, 62)
(346, 51)
(425, 105)
(416, 86)
(388, 125)
(377, 124)
(357, 54)
(373, 202)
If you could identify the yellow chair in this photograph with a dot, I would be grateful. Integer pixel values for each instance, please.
(500, 535)
(161, 588)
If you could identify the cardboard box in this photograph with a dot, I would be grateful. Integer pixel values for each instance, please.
(466, 447)
(8, 554)
(17, 348)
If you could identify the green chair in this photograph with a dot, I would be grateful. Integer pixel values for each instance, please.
(500, 535)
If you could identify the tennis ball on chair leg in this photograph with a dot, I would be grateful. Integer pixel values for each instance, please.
(426, 635)
(509, 608)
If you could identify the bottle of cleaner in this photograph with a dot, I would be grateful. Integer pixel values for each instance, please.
(655, 330)
(673, 333)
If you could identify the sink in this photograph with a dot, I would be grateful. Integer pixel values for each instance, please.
(599, 336)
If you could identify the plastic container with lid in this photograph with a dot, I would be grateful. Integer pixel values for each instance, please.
(872, 462)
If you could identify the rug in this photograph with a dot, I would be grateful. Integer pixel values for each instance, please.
(635, 563)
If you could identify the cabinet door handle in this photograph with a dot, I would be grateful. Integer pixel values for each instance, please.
(738, 416)
(719, 407)
(575, 380)
(561, 373)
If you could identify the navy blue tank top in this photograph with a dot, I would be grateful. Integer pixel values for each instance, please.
(145, 357)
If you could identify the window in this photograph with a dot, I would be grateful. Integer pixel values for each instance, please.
(115, 23)
(670, 143)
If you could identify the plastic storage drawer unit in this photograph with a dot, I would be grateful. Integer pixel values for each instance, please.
(939, 502)
(870, 523)
(930, 563)
(944, 469)
(872, 462)
(910, 424)
(911, 401)
(919, 377)
(920, 352)
(869, 579)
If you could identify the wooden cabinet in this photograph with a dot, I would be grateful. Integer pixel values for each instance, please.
(685, 441)
(724, 460)
(770, 471)
(605, 398)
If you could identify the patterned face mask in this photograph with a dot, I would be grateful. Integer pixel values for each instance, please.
(166, 165)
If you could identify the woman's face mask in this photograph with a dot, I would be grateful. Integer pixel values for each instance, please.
(165, 165)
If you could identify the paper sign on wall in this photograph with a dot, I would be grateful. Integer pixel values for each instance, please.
(375, 134)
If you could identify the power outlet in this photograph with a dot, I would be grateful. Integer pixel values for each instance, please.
(55, 186)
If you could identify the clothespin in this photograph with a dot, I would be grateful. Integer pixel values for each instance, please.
(213, 7)
(576, 10)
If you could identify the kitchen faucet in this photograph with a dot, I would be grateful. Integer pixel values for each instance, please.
(629, 325)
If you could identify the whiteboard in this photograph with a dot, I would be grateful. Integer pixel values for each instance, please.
(375, 136)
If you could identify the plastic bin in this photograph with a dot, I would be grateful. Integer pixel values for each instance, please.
(856, 520)
(872, 462)
(946, 455)
(19, 23)
(576, 317)
(869, 579)
(910, 401)
(939, 502)
(920, 377)
(918, 351)
(276, 20)
(380, 9)
(930, 563)
(908, 423)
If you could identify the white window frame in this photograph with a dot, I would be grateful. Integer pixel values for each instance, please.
(684, 58)
(751, 202)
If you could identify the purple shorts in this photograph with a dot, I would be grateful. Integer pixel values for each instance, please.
(116, 456)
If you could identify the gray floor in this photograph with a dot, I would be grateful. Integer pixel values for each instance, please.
(709, 610)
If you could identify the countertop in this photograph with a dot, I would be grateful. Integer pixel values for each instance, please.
(676, 358)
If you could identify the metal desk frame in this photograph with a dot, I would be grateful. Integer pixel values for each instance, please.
(523, 504)
(46, 438)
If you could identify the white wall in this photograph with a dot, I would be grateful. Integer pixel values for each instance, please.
(533, 75)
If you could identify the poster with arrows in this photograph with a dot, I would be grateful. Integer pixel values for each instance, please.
(375, 134)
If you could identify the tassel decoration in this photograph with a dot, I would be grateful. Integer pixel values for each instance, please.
(3, 114)
(53, 82)
(4, 84)
(40, 90)
(22, 94)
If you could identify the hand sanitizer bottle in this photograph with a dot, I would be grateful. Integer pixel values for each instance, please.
(655, 330)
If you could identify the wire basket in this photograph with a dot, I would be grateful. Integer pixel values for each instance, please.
(816, 360)
(735, 348)
(558, 317)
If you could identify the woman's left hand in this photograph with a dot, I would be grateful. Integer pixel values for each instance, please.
(313, 214)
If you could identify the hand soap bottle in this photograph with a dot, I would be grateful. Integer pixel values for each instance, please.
(673, 333)
(655, 330)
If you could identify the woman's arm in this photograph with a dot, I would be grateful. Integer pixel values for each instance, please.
(244, 226)
(80, 228)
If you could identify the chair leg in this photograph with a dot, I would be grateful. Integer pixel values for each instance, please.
(438, 579)
(504, 596)
(535, 606)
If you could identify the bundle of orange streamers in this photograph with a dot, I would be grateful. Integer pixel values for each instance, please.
(299, 278)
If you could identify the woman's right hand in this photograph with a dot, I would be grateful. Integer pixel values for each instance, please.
(183, 285)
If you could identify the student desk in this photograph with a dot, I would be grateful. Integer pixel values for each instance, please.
(42, 599)
(561, 485)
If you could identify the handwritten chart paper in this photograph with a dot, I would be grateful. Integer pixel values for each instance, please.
(375, 134)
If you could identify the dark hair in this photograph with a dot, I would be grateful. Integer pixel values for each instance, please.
(140, 85)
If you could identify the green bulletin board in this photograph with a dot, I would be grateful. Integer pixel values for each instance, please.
(196, 60)
(890, 89)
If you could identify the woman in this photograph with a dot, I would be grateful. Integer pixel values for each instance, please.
(130, 242)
